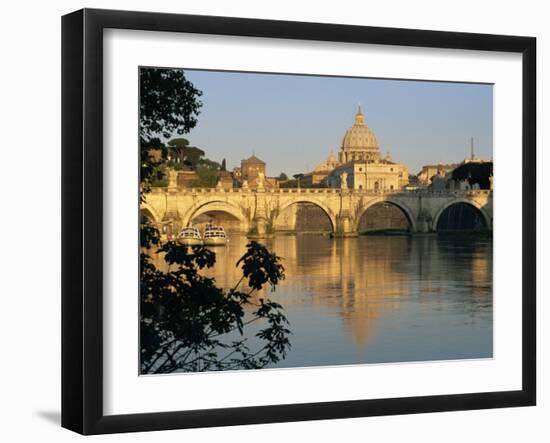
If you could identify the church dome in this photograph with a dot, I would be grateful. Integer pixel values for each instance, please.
(359, 137)
(328, 165)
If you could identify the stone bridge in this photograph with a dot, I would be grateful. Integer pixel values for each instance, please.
(257, 210)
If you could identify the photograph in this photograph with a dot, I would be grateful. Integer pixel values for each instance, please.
(295, 221)
(275, 222)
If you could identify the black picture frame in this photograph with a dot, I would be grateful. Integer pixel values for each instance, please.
(82, 219)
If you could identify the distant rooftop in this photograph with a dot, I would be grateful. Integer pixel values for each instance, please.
(253, 159)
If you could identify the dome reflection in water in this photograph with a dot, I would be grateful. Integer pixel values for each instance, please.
(378, 299)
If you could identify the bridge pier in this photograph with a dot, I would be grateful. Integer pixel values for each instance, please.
(424, 223)
(261, 227)
(344, 226)
(344, 221)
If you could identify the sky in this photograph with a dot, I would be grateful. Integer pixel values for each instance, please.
(292, 122)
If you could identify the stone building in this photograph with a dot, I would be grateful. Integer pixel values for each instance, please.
(360, 164)
(252, 167)
(225, 180)
(186, 177)
(429, 171)
(252, 174)
(319, 175)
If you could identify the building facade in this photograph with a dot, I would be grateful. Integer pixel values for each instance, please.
(225, 180)
(318, 176)
(429, 171)
(361, 165)
(252, 174)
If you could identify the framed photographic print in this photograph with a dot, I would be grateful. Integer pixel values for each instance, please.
(269, 221)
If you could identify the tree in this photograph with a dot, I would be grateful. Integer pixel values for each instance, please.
(475, 173)
(186, 321)
(224, 166)
(185, 155)
(283, 176)
(168, 104)
(298, 178)
(207, 174)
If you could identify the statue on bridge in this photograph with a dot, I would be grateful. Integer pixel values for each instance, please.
(260, 181)
(172, 179)
(344, 180)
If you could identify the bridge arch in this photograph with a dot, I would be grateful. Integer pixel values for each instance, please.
(472, 203)
(303, 199)
(216, 206)
(402, 206)
(148, 211)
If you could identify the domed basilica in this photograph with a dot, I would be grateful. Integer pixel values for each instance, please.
(359, 142)
(359, 164)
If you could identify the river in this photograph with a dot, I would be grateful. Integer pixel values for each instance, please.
(378, 299)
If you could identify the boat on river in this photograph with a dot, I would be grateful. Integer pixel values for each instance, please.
(189, 236)
(214, 236)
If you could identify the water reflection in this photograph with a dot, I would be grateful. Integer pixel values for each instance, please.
(378, 299)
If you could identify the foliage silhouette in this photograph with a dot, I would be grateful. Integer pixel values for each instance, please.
(190, 324)
(187, 323)
(183, 154)
(168, 104)
(207, 172)
(475, 173)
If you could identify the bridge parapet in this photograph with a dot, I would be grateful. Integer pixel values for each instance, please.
(421, 192)
(456, 192)
(344, 208)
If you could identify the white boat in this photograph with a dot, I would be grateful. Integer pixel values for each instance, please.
(214, 235)
(189, 236)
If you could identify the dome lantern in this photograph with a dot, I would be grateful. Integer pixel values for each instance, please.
(359, 117)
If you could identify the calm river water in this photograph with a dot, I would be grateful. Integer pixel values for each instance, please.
(378, 299)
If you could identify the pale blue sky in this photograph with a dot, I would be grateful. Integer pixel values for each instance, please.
(292, 122)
